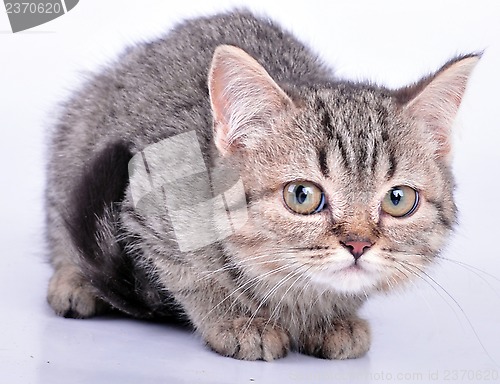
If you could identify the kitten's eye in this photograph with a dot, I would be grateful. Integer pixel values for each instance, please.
(303, 197)
(400, 201)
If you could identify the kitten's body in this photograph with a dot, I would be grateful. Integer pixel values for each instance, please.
(270, 284)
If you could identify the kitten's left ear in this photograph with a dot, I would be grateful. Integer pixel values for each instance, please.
(245, 99)
(435, 99)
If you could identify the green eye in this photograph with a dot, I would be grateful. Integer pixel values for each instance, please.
(303, 197)
(400, 201)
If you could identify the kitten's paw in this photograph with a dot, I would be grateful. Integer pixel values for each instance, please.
(348, 339)
(243, 340)
(71, 296)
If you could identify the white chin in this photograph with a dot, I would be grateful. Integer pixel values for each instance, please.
(352, 279)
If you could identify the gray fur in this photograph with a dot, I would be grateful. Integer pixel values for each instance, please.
(263, 290)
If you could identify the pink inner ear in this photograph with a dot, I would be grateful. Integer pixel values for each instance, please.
(243, 96)
(220, 104)
(220, 112)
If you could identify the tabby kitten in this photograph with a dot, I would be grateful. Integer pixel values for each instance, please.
(222, 175)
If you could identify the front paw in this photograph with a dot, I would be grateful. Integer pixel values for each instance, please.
(347, 339)
(247, 339)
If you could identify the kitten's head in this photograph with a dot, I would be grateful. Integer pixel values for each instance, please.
(349, 187)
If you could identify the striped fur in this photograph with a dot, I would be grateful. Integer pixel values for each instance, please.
(265, 108)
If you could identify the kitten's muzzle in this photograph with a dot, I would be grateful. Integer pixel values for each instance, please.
(357, 247)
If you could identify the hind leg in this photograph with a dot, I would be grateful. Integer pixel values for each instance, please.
(81, 228)
(69, 294)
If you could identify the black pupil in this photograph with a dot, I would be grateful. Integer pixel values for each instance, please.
(396, 196)
(301, 194)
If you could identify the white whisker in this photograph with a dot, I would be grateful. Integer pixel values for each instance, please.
(266, 297)
(475, 271)
(246, 286)
(433, 281)
(277, 306)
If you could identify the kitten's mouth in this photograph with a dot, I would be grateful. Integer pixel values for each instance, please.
(354, 277)
(355, 268)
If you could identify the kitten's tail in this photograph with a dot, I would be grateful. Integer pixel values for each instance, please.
(107, 258)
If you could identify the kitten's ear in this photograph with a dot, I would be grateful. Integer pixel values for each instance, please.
(435, 99)
(244, 98)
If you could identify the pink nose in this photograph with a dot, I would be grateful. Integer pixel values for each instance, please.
(357, 248)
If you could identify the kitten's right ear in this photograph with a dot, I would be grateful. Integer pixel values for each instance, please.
(244, 97)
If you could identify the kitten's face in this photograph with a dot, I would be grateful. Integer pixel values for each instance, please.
(349, 186)
(326, 179)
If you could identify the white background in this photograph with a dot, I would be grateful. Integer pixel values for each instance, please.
(430, 332)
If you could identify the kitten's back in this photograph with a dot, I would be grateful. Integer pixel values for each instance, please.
(159, 89)
(153, 91)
